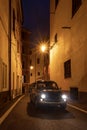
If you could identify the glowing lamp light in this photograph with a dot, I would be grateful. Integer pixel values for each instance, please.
(31, 67)
(43, 48)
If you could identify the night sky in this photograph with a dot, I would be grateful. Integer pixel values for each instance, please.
(36, 19)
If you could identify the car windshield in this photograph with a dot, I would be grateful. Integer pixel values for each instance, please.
(47, 85)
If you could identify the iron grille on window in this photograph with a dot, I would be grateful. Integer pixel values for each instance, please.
(67, 69)
(55, 37)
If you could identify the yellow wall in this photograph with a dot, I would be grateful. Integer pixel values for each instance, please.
(71, 44)
(4, 15)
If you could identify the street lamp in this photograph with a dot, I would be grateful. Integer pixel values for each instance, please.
(43, 48)
(39, 52)
(31, 67)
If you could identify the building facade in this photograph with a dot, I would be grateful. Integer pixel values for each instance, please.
(39, 63)
(25, 59)
(10, 49)
(4, 43)
(16, 48)
(68, 43)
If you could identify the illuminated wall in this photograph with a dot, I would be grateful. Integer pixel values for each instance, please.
(4, 65)
(68, 41)
(10, 25)
(37, 61)
(25, 58)
(16, 47)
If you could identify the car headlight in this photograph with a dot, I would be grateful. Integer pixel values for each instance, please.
(64, 97)
(43, 96)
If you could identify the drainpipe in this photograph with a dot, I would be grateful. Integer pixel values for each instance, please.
(9, 48)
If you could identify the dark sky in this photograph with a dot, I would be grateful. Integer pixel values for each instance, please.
(36, 19)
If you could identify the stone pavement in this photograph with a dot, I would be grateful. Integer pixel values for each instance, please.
(80, 104)
(77, 104)
(8, 105)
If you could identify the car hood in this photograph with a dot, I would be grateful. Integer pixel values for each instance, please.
(50, 92)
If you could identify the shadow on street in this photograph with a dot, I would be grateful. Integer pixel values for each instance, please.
(50, 113)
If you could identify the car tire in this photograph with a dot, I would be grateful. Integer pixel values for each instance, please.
(36, 104)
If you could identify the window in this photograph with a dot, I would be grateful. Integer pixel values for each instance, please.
(75, 6)
(23, 64)
(13, 80)
(18, 81)
(55, 38)
(56, 3)
(18, 47)
(30, 62)
(31, 74)
(14, 20)
(4, 75)
(24, 78)
(67, 69)
(38, 60)
(38, 73)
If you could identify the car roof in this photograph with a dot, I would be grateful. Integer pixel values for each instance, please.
(45, 81)
(42, 81)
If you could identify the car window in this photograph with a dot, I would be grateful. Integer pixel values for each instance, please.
(41, 86)
(52, 85)
(47, 85)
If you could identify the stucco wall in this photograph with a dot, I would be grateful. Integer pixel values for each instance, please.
(4, 15)
(71, 44)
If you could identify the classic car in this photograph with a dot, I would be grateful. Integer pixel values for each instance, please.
(48, 93)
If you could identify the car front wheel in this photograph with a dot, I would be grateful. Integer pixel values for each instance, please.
(36, 103)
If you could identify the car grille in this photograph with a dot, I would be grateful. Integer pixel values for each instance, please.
(53, 96)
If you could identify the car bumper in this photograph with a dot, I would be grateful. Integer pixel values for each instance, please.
(47, 103)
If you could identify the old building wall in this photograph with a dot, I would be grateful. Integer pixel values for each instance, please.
(37, 62)
(10, 57)
(70, 46)
(16, 45)
(4, 15)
